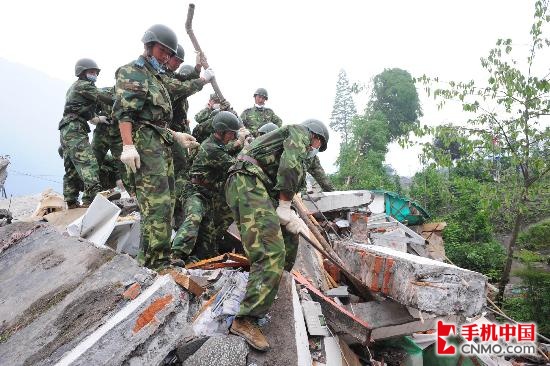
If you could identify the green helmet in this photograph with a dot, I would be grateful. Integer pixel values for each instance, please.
(226, 121)
(267, 128)
(180, 53)
(262, 92)
(186, 70)
(161, 34)
(85, 64)
(317, 127)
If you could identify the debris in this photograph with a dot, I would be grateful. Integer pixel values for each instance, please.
(226, 350)
(222, 261)
(422, 283)
(315, 320)
(132, 292)
(341, 291)
(49, 202)
(337, 200)
(98, 222)
(184, 281)
(340, 320)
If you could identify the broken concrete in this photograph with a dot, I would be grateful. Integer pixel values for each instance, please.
(391, 319)
(337, 200)
(340, 320)
(284, 330)
(220, 351)
(82, 317)
(422, 283)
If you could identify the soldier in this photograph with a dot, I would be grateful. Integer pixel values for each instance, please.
(313, 165)
(107, 138)
(143, 109)
(78, 158)
(257, 116)
(271, 169)
(204, 118)
(179, 123)
(205, 218)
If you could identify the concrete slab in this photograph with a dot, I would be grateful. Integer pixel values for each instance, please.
(62, 303)
(340, 320)
(280, 330)
(220, 351)
(310, 263)
(337, 200)
(419, 282)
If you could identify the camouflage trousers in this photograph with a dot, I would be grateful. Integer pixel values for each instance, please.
(79, 161)
(181, 167)
(107, 137)
(206, 221)
(155, 194)
(268, 246)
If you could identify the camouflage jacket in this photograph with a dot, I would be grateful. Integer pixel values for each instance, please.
(281, 157)
(204, 127)
(106, 109)
(254, 118)
(316, 170)
(141, 95)
(211, 165)
(180, 105)
(203, 115)
(81, 102)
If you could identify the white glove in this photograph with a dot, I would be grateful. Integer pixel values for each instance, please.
(99, 119)
(243, 133)
(296, 225)
(130, 157)
(184, 139)
(208, 74)
(284, 212)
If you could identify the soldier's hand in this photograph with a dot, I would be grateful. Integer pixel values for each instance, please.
(296, 225)
(243, 134)
(225, 105)
(130, 157)
(99, 119)
(207, 74)
(184, 139)
(284, 212)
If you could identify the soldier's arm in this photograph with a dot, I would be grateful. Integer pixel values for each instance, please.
(92, 93)
(291, 171)
(316, 170)
(131, 93)
(202, 115)
(178, 89)
(194, 75)
(275, 119)
(244, 118)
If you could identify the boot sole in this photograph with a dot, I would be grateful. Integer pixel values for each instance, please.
(231, 330)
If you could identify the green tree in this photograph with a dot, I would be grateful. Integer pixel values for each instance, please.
(394, 94)
(343, 109)
(506, 116)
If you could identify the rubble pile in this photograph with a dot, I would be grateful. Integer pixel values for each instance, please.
(72, 294)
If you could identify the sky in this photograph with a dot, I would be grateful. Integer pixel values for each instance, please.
(294, 49)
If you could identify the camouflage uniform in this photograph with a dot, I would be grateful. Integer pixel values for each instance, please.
(180, 155)
(255, 117)
(207, 215)
(318, 173)
(107, 138)
(204, 128)
(142, 98)
(251, 192)
(78, 158)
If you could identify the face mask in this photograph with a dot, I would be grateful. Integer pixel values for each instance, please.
(216, 106)
(91, 77)
(156, 65)
(311, 153)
